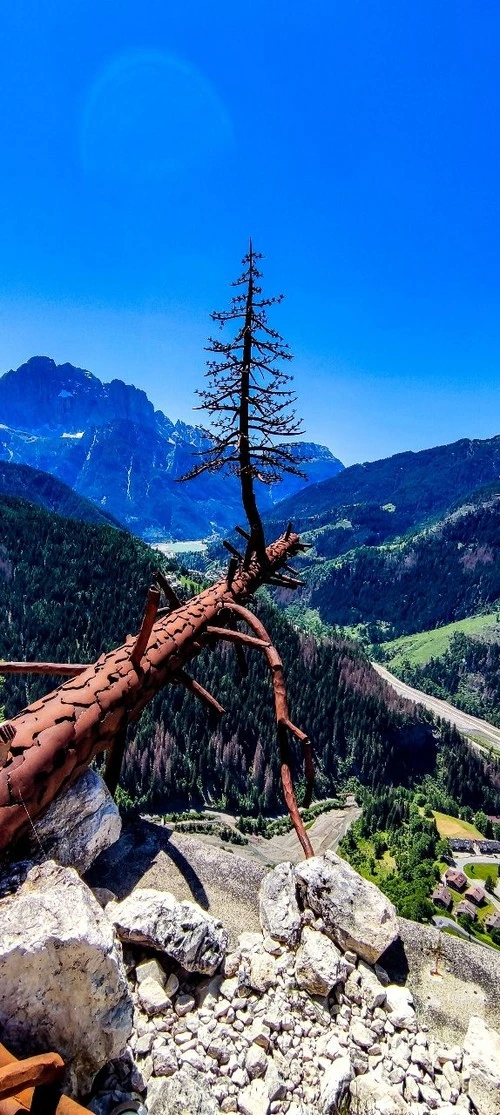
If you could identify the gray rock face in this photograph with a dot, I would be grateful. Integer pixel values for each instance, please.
(279, 912)
(80, 824)
(179, 929)
(177, 1095)
(482, 1059)
(356, 915)
(62, 982)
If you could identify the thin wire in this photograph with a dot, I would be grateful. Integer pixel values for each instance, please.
(26, 810)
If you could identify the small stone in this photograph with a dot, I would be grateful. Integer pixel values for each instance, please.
(229, 988)
(191, 1057)
(334, 1084)
(165, 1061)
(256, 1061)
(143, 1044)
(172, 985)
(276, 1088)
(152, 997)
(361, 1035)
(430, 1096)
(184, 1004)
(262, 972)
(150, 969)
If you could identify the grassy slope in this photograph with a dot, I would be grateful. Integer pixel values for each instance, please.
(452, 826)
(420, 648)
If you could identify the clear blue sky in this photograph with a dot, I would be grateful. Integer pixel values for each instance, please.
(357, 142)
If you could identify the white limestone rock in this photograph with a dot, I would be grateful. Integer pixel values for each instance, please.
(279, 912)
(150, 969)
(355, 914)
(153, 997)
(334, 1084)
(165, 1061)
(372, 990)
(262, 972)
(256, 1061)
(372, 1096)
(182, 930)
(184, 1092)
(254, 1098)
(79, 824)
(399, 1004)
(482, 1061)
(318, 963)
(62, 981)
(276, 1088)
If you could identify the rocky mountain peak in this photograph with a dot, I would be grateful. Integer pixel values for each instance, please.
(110, 445)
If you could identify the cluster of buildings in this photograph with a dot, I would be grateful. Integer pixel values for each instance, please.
(473, 897)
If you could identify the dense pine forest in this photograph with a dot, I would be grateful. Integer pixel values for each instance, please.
(69, 590)
(387, 588)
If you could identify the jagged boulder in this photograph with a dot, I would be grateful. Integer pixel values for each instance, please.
(482, 1060)
(186, 1092)
(79, 824)
(355, 913)
(279, 912)
(62, 982)
(372, 1096)
(181, 930)
(318, 964)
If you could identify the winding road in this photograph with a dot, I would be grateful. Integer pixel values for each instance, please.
(471, 726)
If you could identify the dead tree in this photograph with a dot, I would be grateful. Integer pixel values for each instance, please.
(248, 398)
(52, 742)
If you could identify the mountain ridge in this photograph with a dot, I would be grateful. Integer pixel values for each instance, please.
(110, 445)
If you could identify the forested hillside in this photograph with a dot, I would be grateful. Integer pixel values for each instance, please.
(371, 503)
(70, 590)
(46, 491)
(433, 576)
(468, 674)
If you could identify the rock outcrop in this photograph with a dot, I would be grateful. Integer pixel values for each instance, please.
(288, 1022)
(355, 913)
(62, 982)
(181, 930)
(289, 1027)
(79, 824)
(482, 1062)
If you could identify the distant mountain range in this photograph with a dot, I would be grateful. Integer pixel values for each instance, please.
(107, 442)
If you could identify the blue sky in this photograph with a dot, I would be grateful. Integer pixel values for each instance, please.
(357, 142)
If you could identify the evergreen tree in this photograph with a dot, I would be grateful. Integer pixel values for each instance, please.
(247, 399)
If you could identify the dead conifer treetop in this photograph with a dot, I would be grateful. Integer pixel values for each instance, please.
(248, 399)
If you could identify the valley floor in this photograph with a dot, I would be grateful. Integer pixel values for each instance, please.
(204, 869)
(480, 731)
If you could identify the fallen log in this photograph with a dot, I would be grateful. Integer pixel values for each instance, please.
(55, 739)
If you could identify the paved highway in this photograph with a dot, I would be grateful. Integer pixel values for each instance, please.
(469, 725)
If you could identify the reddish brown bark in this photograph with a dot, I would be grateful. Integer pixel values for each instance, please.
(54, 740)
(24, 1093)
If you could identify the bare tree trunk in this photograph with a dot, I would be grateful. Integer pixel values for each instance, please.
(246, 476)
(54, 740)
